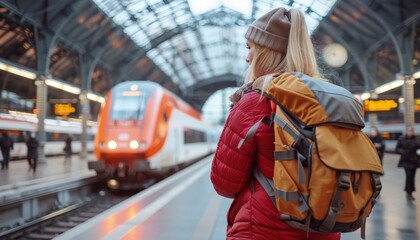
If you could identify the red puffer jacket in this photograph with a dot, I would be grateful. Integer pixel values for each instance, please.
(252, 214)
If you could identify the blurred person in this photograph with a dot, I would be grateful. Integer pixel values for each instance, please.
(379, 143)
(407, 146)
(68, 150)
(1, 158)
(6, 144)
(278, 42)
(32, 156)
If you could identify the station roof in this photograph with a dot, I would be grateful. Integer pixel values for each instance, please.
(199, 44)
(193, 41)
(194, 50)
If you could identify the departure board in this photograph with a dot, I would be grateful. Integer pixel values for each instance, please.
(417, 106)
(64, 109)
(381, 105)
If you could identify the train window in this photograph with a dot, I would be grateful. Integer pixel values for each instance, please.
(129, 100)
(128, 107)
(56, 136)
(386, 135)
(194, 136)
(15, 135)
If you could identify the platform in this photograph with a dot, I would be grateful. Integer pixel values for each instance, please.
(185, 206)
(19, 174)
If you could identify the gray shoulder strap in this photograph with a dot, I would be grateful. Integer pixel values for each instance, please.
(266, 183)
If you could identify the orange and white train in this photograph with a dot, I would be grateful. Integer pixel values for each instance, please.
(145, 131)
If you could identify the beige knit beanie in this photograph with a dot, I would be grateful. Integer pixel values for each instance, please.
(271, 30)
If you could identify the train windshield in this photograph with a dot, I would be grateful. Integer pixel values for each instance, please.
(129, 103)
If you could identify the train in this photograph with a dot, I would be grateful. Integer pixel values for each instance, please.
(390, 133)
(144, 132)
(20, 125)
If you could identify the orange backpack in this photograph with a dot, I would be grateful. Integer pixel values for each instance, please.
(326, 171)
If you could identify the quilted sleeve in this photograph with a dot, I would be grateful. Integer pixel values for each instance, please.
(232, 168)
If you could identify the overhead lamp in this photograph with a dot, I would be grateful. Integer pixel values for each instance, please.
(23, 114)
(388, 86)
(17, 71)
(383, 88)
(416, 75)
(65, 87)
(95, 98)
(365, 96)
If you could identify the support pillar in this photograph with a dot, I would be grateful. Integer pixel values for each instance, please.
(84, 103)
(408, 94)
(224, 108)
(373, 120)
(373, 117)
(41, 106)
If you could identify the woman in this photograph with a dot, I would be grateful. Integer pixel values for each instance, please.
(32, 156)
(377, 140)
(407, 146)
(277, 42)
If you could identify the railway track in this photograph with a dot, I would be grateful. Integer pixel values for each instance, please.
(62, 220)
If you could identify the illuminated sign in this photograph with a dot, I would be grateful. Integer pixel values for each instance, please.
(381, 105)
(64, 109)
(417, 106)
(131, 93)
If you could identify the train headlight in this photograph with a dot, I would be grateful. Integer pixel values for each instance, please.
(113, 184)
(134, 144)
(112, 144)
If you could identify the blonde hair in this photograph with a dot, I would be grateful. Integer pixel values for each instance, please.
(299, 57)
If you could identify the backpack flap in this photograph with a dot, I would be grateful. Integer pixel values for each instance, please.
(333, 143)
(315, 101)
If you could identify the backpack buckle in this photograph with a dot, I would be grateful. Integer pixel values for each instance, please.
(344, 180)
(377, 185)
(377, 182)
(302, 146)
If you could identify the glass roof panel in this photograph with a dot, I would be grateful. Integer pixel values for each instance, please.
(109, 7)
(210, 34)
(153, 53)
(146, 19)
(200, 7)
(188, 40)
(212, 50)
(197, 52)
(164, 10)
(219, 65)
(132, 29)
(182, 18)
(141, 39)
(195, 39)
(207, 73)
(136, 6)
(169, 24)
(121, 17)
(322, 7)
(155, 29)
(152, 2)
(187, 78)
